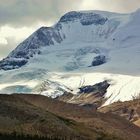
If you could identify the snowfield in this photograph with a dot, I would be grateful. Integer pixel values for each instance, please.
(123, 87)
(83, 48)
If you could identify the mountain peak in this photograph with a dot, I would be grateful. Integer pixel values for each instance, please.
(85, 18)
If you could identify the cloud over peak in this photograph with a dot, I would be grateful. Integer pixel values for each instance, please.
(29, 12)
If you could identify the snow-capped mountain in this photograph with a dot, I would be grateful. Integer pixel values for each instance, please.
(70, 29)
(83, 48)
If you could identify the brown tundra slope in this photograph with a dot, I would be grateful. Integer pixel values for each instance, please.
(130, 110)
(40, 115)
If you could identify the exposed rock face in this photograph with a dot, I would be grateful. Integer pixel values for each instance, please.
(45, 36)
(84, 18)
(91, 96)
(12, 63)
(95, 88)
(99, 60)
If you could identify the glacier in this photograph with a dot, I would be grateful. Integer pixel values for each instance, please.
(63, 57)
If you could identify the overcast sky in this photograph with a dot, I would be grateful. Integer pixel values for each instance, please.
(19, 18)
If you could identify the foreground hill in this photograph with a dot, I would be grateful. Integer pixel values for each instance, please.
(39, 115)
(18, 115)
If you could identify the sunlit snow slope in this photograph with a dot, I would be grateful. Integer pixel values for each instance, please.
(83, 48)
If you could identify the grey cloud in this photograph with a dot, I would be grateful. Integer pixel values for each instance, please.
(29, 12)
(6, 49)
(124, 6)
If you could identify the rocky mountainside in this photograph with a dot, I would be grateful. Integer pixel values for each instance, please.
(91, 96)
